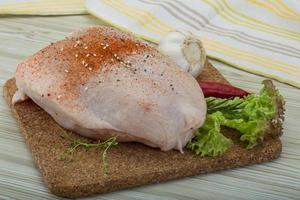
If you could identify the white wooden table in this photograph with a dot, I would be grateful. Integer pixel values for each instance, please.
(20, 179)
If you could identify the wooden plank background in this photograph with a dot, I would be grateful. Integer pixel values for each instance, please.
(21, 36)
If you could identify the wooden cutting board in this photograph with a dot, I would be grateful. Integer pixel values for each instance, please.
(130, 164)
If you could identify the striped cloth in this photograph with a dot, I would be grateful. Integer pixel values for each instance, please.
(42, 7)
(259, 36)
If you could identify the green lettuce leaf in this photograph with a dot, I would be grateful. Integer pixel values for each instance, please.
(250, 115)
(208, 139)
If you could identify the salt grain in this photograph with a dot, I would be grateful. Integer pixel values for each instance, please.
(77, 43)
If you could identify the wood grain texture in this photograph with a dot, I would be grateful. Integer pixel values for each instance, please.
(20, 179)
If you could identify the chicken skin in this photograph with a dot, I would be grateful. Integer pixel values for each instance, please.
(100, 82)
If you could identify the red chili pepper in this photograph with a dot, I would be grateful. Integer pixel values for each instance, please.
(214, 89)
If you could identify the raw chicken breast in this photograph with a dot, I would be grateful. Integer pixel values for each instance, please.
(101, 82)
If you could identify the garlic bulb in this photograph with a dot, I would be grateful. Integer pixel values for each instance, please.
(185, 49)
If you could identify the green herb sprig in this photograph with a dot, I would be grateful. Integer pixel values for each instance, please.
(101, 145)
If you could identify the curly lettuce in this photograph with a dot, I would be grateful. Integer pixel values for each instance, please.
(208, 139)
(250, 115)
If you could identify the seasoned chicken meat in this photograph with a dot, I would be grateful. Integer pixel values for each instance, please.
(100, 82)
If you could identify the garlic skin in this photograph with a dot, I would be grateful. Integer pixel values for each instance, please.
(185, 49)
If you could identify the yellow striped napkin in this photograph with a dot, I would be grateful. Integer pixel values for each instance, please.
(42, 7)
(259, 36)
